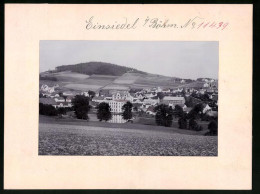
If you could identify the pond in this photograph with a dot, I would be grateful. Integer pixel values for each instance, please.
(117, 119)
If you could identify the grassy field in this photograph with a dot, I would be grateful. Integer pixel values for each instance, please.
(74, 137)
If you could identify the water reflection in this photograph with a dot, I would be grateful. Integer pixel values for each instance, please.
(117, 119)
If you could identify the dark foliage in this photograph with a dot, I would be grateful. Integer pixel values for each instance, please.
(164, 115)
(193, 125)
(99, 68)
(64, 110)
(178, 111)
(127, 111)
(81, 106)
(196, 111)
(104, 111)
(48, 110)
(91, 94)
(48, 78)
(189, 102)
(182, 123)
(213, 128)
(160, 95)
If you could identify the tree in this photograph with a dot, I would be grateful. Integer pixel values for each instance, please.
(104, 112)
(164, 115)
(127, 111)
(47, 109)
(62, 111)
(81, 106)
(160, 95)
(178, 111)
(189, 102)
(182, 122)
(91, 94)
(196, 111)
(193, 125)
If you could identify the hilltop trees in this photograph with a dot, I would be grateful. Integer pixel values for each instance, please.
(81, 106)
(164, 115)
(127, 111)
(104, 112)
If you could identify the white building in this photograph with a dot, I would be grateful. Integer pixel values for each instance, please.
(173, 100)
(122, 95)
(116, 105)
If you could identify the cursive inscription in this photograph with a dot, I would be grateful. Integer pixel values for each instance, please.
(155, 23)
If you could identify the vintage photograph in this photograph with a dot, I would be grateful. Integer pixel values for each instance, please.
(128, 98)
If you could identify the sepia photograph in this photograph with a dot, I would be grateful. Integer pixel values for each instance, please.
(128, 98)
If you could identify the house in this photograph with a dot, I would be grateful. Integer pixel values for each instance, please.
(59, 99)
(99, 99)
(182, 81)
(48, 89)
(85, 94)
(167, 90)
(212, 113)
(206, 109)
(173, 100)
(48, 101)
(153, 101)
(159, 89)
(150, 110)
(69, 93)
(69, 99)
(187, 109)
(139, 96)
(63, 105)
(206, 85)
(150, 94)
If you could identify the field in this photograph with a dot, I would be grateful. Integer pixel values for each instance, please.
(100, 138)
(81, 82)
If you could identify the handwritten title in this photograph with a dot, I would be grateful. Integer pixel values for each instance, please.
(155, 23)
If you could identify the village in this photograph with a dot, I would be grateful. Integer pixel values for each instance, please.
(143, 100)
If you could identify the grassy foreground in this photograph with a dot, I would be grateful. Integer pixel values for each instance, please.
(73, 138)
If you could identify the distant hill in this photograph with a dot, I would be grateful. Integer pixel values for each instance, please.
(98, 68)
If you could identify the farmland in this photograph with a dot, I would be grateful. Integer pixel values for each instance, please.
(82, 82)
(79, 139)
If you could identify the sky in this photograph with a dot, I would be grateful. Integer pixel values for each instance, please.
(183, 59)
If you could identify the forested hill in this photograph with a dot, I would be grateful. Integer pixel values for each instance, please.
(98, 68)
